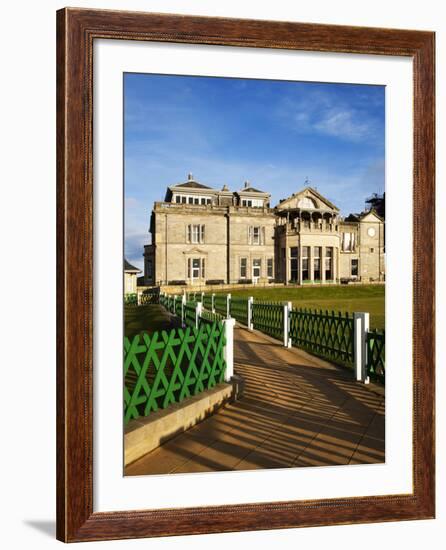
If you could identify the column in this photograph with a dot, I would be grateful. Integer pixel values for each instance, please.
(335, 261)
(299, 275)
(323, 264)
(287, 261)
(311, 262)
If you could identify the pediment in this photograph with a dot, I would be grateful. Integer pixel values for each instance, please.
(307, 199)
(371, 216)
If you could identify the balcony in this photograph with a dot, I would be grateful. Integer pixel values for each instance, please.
(303, 226)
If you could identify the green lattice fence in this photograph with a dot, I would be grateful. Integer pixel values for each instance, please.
(268, 318)
(131, 299)
(149, 298)
(167, 367)
(239, 309)
(376, 356)
(163, 300)
(208, 317)
(326, 334)
(220, 304)
(207, 301)
(190, 314)
(193, 297)
(179, 306)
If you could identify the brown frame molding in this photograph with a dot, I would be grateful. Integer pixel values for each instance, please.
(76, 31)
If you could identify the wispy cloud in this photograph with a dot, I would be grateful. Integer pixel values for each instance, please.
(328, 114)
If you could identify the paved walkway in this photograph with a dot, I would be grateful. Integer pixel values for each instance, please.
(296, 411)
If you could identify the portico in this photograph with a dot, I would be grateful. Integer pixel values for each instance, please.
(308, 231)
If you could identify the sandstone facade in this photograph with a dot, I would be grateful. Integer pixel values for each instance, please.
(202, 235)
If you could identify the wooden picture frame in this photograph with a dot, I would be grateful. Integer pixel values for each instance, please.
(76, 31)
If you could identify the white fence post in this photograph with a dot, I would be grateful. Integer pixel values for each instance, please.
(213, 302)
(228, 306)
(286, 323)
(361, 322)
(198, 310)
(228, 352)
(289, 341)
(250, 303)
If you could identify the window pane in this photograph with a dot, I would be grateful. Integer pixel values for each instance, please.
(195, 233)
(243, 264)
(270, 267)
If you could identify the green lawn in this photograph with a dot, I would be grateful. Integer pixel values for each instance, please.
(149, 318)
(349, 298)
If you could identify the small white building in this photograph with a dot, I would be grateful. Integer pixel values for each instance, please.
(130, 274)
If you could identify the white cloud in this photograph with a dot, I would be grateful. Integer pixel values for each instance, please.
(325, 114)
(344, 124)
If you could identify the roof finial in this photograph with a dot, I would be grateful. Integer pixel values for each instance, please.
(246, 184)
(190, 176)
(307, 181)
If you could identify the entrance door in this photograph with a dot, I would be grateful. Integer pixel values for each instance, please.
(256, 268)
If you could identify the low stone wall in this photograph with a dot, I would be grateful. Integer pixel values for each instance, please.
(147, 433)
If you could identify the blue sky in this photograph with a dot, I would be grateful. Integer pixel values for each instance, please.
(275, 134)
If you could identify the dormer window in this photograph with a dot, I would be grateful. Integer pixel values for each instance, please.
(256, 203)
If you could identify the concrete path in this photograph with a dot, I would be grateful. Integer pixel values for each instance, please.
(296, 411)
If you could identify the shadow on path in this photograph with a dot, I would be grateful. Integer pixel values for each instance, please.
(296, 411)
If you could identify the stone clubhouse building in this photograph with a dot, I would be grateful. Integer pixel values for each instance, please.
(202, 235)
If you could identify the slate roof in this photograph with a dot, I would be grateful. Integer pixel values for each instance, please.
(252, 190)
(130, 267)
(192, 184)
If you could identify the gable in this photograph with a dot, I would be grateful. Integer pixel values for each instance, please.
(371, 216)
(191, 185)
(307, 199)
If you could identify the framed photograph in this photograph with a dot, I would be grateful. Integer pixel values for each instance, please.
(245, 243)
